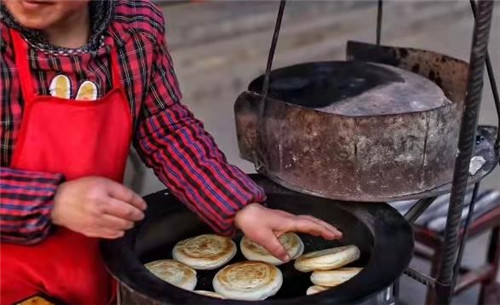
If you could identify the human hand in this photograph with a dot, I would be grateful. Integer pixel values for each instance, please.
(97, 207)
(263, 226)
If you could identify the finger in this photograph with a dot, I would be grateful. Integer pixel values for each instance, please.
(333, 232)
(284, 213)
(106, 233)
(122, 193)
(115, 223)
(308, 226)
(113, 234)
(120, 209)
(271, 243)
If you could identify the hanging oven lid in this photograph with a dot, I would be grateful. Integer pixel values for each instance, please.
(354, 130)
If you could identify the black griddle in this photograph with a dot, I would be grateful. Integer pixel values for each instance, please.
(383, 236)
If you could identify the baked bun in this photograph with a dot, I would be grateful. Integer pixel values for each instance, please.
(254, 252)
(174, 273)
(249, 280)
(36, 300)
(209, 294)
(316, 289)
(327, 259)
(204, 252)
(333, 278)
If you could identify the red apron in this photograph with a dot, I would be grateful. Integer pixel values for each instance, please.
(78, 139)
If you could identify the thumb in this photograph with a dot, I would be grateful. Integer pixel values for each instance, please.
(271, 243)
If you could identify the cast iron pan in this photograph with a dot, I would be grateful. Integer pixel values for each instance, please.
(383, 236)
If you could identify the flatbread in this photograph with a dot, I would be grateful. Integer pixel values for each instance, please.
(205, 252)
(316, 289)
(333, 278)
(36, 300)
(249, 280)
(209, 294)
(174, 273)
(254, 252)
(327, 259)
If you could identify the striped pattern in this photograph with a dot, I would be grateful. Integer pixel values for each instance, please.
(26, 204)
(167, 136)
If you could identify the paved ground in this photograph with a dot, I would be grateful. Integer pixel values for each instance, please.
(216, 58)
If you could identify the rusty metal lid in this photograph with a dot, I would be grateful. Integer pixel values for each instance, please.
(353, 88)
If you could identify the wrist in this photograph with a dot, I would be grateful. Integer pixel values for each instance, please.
(58, 198)
(242, 214)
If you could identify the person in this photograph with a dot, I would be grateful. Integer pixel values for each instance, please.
(80, 81)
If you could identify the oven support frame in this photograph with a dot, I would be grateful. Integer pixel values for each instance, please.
(452, 252)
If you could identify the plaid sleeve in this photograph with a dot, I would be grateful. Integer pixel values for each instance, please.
(185, 157)
(26, 201)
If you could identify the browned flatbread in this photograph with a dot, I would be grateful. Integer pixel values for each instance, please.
(332, 278)
(174, 273)
(327, 259)
(205, 252)
(291, 241)
(248, 280)
(209, 294)
(37, 300)
(316, 289)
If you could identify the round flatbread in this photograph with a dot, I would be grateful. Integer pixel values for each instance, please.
(333, 278)
(209, 294)
(249, 280)
(327, 259)
(205, 252)
(316, 289)
(254, 252)
(174, 273)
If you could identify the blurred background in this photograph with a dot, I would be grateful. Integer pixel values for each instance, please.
(218, 47)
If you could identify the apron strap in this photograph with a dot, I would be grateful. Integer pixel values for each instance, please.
(22, 64)
(26, 80)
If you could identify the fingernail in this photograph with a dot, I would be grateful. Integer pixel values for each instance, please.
(287, 258)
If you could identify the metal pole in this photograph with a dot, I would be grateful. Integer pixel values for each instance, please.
(465, 232)
(258, 156)
(272, 50)
(418, 208)
(444, 285)
(491, 77)
(379, 20)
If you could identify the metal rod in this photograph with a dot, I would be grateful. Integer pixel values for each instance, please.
(272, 50)
(386, 297)
(491, 77)
(494, 91)
(420, 277)
(464, 232)
(465, 146)
(380, 9)
(258, 156)
(395, 290)
(418, 209)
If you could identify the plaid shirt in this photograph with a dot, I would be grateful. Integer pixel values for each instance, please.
(167, 136)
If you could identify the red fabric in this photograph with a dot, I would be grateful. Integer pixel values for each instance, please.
(167, 136)
(77, 139)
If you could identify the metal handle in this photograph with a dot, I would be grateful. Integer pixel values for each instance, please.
(380, 8)
(265, 89)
